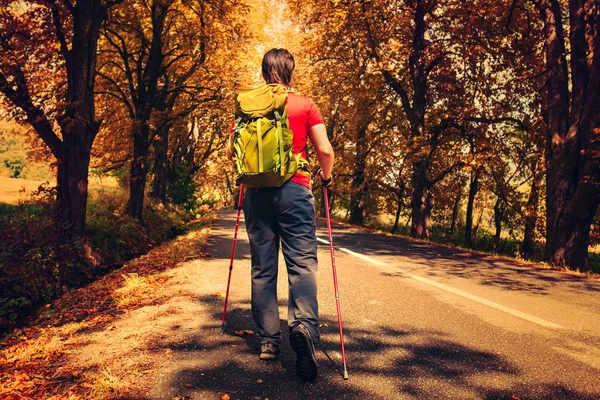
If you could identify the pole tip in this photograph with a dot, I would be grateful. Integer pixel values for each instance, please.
(345, 374)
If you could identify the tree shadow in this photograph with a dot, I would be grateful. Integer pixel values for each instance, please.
(383, 362)
(441, 261)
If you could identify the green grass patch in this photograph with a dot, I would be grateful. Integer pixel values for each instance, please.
(594, 263)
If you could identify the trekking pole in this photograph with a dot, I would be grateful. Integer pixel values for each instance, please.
(335, 284)
(237, 225)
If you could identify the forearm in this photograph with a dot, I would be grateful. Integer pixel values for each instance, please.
(326, 161)
(323, 150)
(228, 148)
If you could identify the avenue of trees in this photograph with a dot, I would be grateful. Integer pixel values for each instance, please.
(439, 110)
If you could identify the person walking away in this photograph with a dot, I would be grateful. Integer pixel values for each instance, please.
(286, 215)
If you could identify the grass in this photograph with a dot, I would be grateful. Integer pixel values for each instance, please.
(36, 267)
(483, 243)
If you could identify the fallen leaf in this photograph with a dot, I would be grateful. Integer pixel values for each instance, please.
(218, 294)
(323, 324)
(110, 328)
(259, 381)
(244, 332)
(187, 385)
(225, 397)
(515, 397)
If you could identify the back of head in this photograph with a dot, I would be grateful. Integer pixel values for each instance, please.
(278, 66)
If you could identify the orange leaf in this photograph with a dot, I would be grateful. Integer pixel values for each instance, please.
(218, 294)
(259, 381)
(244, 332)
(225, 397)
(187, 385)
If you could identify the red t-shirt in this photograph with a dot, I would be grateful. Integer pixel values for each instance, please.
(303, 114)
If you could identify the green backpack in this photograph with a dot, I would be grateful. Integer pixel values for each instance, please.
(262, 139)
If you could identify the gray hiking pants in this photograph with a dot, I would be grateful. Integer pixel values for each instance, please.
(286, 213)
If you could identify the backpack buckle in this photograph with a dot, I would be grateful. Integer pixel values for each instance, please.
(277, 116)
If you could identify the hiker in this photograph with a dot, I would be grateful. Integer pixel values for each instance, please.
(287, 213)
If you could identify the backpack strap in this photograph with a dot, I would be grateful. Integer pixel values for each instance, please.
(279, 132)
(260, 145)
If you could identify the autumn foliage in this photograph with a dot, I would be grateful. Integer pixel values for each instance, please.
(466, 122)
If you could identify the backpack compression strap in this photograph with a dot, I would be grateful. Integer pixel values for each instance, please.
(260, 145)
(279, 131)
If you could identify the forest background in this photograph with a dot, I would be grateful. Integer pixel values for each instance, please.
(474, 124)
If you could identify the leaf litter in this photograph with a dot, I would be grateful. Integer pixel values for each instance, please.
(106, 340)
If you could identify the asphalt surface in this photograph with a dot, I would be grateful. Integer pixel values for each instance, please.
(420, 322)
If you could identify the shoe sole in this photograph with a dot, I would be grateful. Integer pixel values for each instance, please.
(306, 364)
(268, 357)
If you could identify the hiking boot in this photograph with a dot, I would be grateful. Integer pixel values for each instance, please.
(306, 361)
(269, 351)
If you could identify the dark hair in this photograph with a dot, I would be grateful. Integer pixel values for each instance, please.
(278, 66)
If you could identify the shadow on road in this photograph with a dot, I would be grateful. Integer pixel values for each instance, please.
(439, 261)
(382, 363)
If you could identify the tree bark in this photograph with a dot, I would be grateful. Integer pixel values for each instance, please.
(77, 122)
(498, 216)
(322, 210)
(139, 169)
(528, 246)
(572, 146)
(357, 202)
(72, 179)
(161, 146)
(455, 210)
(473, 189)
(420, 214)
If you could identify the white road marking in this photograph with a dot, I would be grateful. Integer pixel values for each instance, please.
(488, 303)
(355, 254)
(323, 240)
(457, 292)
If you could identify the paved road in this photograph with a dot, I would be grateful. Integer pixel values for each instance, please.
(420, 321)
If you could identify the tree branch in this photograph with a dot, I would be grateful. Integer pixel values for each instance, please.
(35, 116)
(445, 172)
(64, 48)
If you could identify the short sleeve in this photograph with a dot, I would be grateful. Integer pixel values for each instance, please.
(313, 115)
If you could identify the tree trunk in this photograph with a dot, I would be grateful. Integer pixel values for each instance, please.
(473, 189)
(399, 191)
(455, 210)
(357, 202)
(72, 179)
(322, 210)
(420, 214)
(572, 145)
(397, 219)
(528, 246)
(161, 145)
(139, 169)
(570, 241)
(498, 216)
